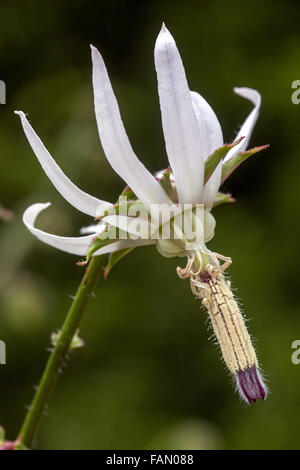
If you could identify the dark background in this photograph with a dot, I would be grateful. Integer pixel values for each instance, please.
(148, 376)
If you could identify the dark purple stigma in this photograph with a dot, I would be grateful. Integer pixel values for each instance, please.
(250, 384)
(205, 277)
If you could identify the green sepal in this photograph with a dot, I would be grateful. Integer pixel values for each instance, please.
(233, 163)
(222, 198)
(109, 235)
(168, 186)
(127, 192)
(114, 258)
(127, 196)
(214, 159)
(122, 207)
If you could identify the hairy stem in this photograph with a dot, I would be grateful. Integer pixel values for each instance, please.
(59, 353)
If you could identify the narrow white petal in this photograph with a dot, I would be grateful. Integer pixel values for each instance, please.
(95, 228)
(212, 139)
(248, 126)
(74, 245)
(212, 186)
(184, 144)
(208, 124)
(122, 244)
(77, 198)
(115, 142)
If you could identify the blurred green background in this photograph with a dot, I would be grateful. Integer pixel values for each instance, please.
(148, 376)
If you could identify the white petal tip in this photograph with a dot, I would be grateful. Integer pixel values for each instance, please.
(20, 113)
(241, 90)
(93, 50)
(248, 93)
(43, 205)
(33, 211)
(95, 228)
(164, 36)
(95, 53)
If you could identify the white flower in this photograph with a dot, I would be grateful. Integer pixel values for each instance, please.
(192, 133)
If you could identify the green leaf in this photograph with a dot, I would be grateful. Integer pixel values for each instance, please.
(114, 258)
(234, 162)
(122, 207)
(222, 198)
(214, 159)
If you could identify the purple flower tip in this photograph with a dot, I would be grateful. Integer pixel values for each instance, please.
(251, 385)
(8, 445)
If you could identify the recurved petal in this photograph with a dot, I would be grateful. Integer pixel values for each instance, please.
(184, 142)
(115, 142)
(212, 139)
(248, 126)
(74, 245)
(82, 201)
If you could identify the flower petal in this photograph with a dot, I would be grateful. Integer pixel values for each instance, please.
(248, 126)
(134, 226)
(74, 245)
(94, 228)
(122, 244)
(115, 142)
(184, 143)
(212, 139)
(208, 124)
(212, 186)
(79, 199)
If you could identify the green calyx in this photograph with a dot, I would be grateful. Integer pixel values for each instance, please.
(231, 165)
(190, 230)
(216, 157)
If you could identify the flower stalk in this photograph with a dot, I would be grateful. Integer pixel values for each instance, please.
(60, 351)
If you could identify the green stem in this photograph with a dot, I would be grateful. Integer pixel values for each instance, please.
(58, 355)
